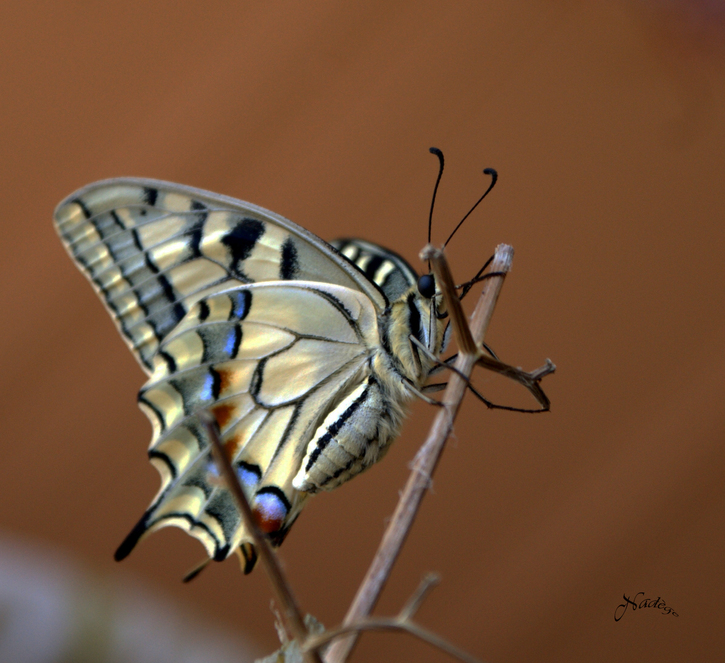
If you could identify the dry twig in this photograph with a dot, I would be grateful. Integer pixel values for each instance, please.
(470, 340)
(289, 610)
(403, 621)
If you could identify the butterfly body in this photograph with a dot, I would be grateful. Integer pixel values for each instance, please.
(302, 352)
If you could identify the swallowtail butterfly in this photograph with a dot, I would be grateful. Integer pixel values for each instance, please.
(301, 350)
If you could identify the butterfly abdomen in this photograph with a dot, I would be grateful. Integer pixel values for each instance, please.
(354, 435)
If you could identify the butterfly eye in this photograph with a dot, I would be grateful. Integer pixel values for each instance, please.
(426, 286)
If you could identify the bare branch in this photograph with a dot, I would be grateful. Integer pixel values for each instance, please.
(528, 380)
(427, 457)
(429, 582)
(403, 621)
(290, 612)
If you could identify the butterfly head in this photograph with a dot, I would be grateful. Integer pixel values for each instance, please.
(427, 286)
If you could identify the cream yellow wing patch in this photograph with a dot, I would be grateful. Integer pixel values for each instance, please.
(151, 249)
(270, 361)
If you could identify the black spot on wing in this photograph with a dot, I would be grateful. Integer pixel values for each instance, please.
(198, 387)
(196, 231)
(221, 552)
(195, 237)
(237, 341)
(256, 383)
(84, 208)
(249, 552)
(169, 360)
(203, 311)
(216, 384)
(241, 240)
(150, 194)
(288, 267)
(159, 415)
(117, 220)
(177, 312)
(137, 243)
(197, 482)
(153, 453)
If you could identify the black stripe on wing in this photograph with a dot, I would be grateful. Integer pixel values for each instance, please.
(389, 271)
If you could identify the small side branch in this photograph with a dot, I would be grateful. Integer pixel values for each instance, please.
(529, 380)
(403, 621)
(469, 337)
(290, 612)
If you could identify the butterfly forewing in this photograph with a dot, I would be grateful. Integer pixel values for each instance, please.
(151, 249)
(389, 271)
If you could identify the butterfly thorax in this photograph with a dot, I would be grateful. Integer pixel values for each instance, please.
(413, 316)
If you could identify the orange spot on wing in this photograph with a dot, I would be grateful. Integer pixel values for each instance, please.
(266, 524)
(232, 446)
(223, 413)
(226, 379)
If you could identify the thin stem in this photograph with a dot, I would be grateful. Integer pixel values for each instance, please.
(444, 278)
(427, 457)
(403, 621)
(429, 582)
(392, 624)
(528, 380)
(290, 612)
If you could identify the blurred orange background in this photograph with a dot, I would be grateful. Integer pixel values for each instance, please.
(606, 124)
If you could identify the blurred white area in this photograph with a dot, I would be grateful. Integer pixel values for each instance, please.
(54, 611)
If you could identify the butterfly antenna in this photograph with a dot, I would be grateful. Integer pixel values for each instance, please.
(494, 178)
(466, 287)
(439, 154)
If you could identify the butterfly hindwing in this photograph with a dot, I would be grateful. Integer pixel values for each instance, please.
(253, 356)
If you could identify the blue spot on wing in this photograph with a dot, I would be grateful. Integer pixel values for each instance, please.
(247, 477)
(242, 303)
(232, 341)
(206, 393)
(270, 508)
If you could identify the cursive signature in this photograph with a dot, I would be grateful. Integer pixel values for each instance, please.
(644, 603)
